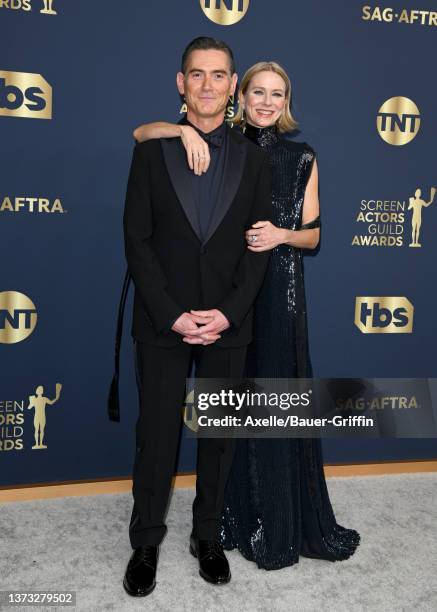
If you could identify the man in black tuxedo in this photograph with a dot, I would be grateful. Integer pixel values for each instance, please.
(195, 284)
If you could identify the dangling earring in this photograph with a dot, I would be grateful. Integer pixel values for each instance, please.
(243, 118)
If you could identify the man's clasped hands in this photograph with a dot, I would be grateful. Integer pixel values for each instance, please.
(201, 326)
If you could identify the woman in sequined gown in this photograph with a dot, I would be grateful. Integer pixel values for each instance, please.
(277, 505)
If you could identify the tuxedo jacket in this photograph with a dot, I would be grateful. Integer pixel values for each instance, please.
(173, 269)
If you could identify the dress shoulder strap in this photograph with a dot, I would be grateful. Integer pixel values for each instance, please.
(312, 224)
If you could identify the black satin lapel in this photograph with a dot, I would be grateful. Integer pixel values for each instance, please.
(176, 163)
(234, 165)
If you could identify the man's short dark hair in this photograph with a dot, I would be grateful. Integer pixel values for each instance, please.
(204, 43)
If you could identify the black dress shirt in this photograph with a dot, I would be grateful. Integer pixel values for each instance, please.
(207, 187)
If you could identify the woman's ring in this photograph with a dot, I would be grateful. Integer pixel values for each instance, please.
(253, 238)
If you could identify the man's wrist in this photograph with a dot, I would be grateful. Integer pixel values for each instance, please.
(227, 317)
(169, 326)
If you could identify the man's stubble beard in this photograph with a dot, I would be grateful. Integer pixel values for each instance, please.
(198, 114)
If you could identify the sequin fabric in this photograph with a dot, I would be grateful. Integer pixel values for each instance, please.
(277, 505)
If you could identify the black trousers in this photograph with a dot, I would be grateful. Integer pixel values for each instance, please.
(161, 377)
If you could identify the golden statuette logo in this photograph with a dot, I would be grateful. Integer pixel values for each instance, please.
(39, 403)
(48, 10)
(18, 317)
(384, 315)
(224, 12)
(25, 94)
(416, 204)
(398, 121)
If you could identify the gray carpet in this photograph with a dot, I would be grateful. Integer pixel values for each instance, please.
(81, 543)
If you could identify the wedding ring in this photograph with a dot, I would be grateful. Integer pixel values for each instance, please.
(253, 238)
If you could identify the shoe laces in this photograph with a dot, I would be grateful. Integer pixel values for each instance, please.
(147, 556)
(212, 548)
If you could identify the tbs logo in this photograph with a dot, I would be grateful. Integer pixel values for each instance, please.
(384, 315)
(24, 94)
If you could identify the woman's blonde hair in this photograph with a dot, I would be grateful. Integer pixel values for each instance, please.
(286, 122)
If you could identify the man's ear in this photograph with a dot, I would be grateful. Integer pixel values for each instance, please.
(180, 83)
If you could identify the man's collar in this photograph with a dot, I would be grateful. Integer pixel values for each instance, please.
(214, 138)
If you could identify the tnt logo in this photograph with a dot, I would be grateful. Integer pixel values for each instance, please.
(384, 315)
(398, 120)
(224, 12)
(18, 317)
(24, 94)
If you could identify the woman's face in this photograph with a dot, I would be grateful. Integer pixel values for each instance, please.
(264, 100)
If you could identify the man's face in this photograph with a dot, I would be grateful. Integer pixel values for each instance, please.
(207, 83)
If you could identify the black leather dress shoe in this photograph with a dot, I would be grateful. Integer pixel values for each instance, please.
(139, 579)
(213, 565)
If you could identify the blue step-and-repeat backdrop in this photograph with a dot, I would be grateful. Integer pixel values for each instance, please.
(77, 77)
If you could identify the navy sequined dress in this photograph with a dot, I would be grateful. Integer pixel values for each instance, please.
(277, 504)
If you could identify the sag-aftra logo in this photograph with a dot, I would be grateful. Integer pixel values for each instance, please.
(25, 94)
